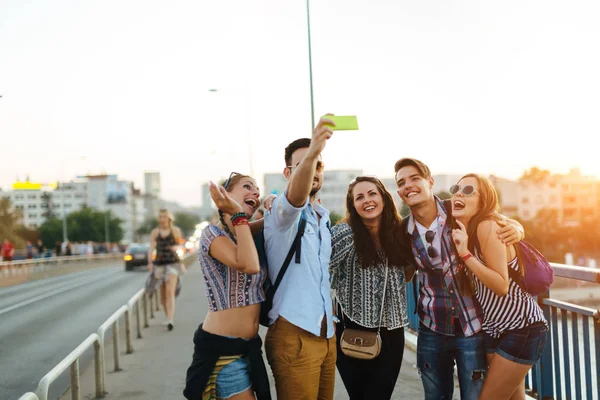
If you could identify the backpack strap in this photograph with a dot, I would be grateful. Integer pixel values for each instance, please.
(295, 248)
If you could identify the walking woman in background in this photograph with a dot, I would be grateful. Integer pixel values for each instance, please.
(368, 275)
(166, 266)
(514, 324)
(227, 361)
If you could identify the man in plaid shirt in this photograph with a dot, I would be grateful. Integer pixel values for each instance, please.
(450, 322)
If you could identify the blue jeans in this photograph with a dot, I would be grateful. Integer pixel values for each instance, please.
(436, 355)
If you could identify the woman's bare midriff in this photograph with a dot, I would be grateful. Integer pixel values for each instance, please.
(239, 322)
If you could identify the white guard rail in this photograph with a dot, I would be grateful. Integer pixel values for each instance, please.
(97, 340)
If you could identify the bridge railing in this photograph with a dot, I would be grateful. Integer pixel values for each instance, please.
(568, 368)
(149, 303)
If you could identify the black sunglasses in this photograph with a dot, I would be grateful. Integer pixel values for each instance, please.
(431, 251)
(229, 179)
(467, 190)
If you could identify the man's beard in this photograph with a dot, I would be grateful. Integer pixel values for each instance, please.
(315, 189)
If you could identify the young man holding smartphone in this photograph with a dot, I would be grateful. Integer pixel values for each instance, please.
(300, 343)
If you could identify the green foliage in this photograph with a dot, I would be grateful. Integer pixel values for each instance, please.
(186, 222)
(335, 218)
(10, 222)
(443, 194)
(147, 226)
(82, 226)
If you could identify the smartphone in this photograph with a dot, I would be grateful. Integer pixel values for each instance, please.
(343, 122)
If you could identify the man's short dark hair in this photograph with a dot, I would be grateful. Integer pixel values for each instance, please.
(292, 147)
(419, 165)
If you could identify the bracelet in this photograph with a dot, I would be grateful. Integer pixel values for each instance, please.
(239, 219)
(465, 257)
(238, 215)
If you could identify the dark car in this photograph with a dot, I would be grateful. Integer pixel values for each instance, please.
(136, 255)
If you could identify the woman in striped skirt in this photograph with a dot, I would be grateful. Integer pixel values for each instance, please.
(514, 325)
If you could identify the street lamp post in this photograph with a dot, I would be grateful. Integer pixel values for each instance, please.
(312, 104)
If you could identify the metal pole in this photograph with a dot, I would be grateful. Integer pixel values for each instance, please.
(99, 369)
(146, 301)
(106, 234)
(75, 386)
(115, 332)
(128, 341)
(137, 318)
(312, 103)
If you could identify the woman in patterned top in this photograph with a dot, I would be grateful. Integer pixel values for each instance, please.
(362, 247)
(514, 325)
(227, 361)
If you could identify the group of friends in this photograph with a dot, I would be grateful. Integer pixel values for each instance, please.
(353, 276)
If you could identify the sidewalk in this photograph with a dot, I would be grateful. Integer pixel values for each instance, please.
(156, 370)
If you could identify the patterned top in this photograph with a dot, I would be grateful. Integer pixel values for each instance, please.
(517, 310)
(164, 254)
(439, 300)
(226, 287)
(359, 290)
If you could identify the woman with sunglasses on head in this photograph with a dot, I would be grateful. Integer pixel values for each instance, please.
(227, 361)
(514, 325)
(368, 274)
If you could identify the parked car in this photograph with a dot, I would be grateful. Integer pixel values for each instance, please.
(136, 255)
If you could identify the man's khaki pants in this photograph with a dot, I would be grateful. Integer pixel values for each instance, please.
(303, 364)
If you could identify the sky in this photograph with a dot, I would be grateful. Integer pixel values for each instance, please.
(122, 87)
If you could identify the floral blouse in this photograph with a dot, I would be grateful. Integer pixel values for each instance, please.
(359, 291)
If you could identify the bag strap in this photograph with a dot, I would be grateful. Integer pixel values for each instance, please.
(295, 248)
(383, 299)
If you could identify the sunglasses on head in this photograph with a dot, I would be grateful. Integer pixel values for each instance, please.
(228, 181)
(320, 166)
(467, 190)
(431, 251)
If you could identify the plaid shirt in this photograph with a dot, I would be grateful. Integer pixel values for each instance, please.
(439, 301)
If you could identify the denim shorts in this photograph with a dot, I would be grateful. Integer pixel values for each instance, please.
(234, 378)
(523, 346)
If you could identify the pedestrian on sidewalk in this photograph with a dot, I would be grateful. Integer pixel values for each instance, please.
(450, 319)
(227, 362)
(8, 250)
(514, 324)
(368, 275)
(166, 267)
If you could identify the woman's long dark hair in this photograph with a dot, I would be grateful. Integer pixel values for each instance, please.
(488, 207)
(390, 228)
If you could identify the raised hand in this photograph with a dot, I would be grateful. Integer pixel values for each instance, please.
(222, 199)
(322, 132)
(268, 201)
(460, 238)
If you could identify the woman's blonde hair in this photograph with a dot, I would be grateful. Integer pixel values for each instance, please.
(168, 214)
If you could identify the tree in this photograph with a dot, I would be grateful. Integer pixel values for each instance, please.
(9, 222)
(443, 195)
(186, 222)
(147, 226)
(334, 218)
(83, 225)
(404, 210)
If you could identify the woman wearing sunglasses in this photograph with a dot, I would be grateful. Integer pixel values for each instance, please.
(368, 284)
(514, 325)
(227, 361)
